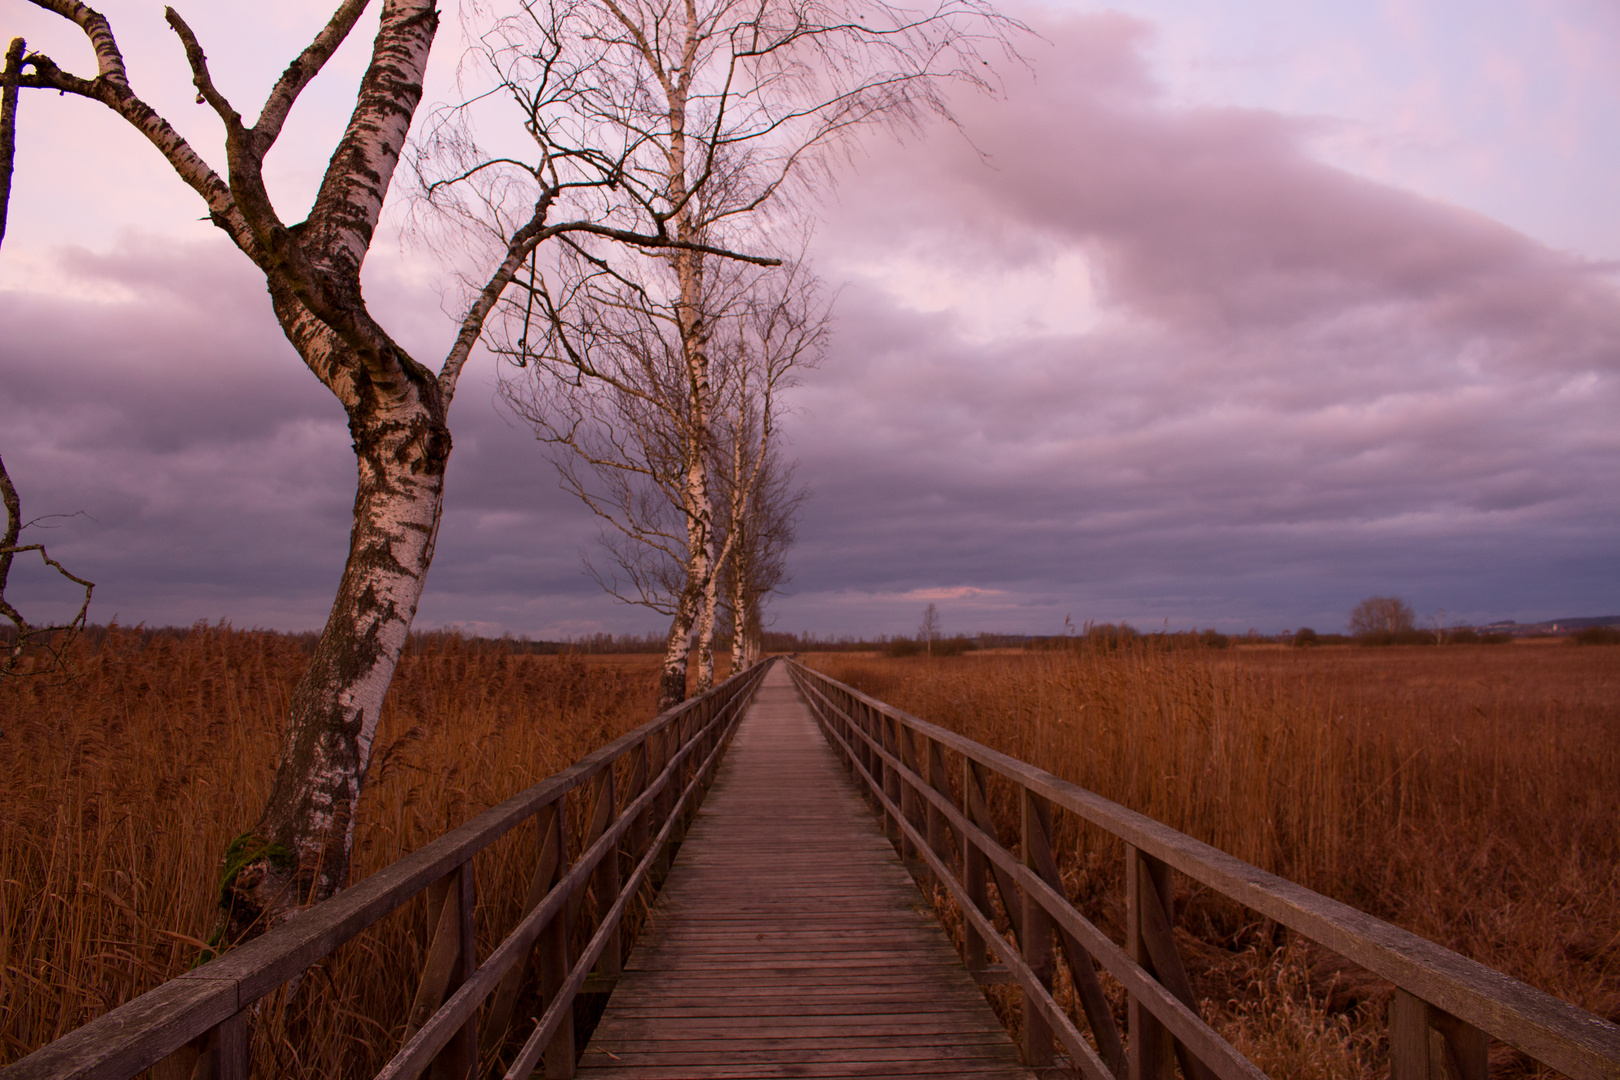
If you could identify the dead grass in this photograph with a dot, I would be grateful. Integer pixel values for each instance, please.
(1469, 794)
(118, 793)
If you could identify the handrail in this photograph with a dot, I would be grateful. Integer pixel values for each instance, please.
(210, 1004)
(901, 760)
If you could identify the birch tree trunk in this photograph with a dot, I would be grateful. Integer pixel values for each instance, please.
(677, 647)
(298, 851)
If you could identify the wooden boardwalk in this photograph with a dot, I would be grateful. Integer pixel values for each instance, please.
(789, 940)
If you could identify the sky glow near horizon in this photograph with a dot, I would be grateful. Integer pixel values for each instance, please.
(1225, 314)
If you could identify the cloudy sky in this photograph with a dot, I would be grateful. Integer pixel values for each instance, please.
(1226, 313)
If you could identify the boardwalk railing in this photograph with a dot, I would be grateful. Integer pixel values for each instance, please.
(933, 788)
(641, 790)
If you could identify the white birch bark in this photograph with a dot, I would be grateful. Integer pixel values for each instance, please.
(298, 851)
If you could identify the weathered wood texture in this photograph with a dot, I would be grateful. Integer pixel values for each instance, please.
(789, 940)
(1445, 1011)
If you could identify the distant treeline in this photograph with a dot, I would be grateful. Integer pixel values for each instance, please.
(1121, 635)
(1089, 636)
(420, 641)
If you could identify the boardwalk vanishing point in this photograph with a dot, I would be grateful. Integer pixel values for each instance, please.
(789, 940)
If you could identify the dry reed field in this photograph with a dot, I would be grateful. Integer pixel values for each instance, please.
(119, 792)
(1469, 794)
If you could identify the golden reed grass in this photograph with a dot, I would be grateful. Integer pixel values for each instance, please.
(119, 791)
(1469, 794)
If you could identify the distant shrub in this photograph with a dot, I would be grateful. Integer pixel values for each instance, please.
(1463, 635)
(1597, 635)
(951, 646)
(1305, 637)
(1495, 639)
(1379, 616)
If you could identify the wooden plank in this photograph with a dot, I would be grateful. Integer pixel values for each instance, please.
(748, 1041)
(612, 1070)
(943, 1056)
(789, 939)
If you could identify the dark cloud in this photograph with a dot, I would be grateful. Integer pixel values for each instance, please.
(1130, 361)
(214, 472)
(1275, 386)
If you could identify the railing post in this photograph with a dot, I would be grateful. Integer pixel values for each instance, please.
(1036, 939)
(939, 830)
(852, 723)
(1427, 1043)
(656, 765)
(1082, 970)
(450, 962)
(975, 873)
(688, 768)
(1147, 881)
(554, 959)
(606, 875)
(891, 779)
(548, 856)
(459, 1059)
(640, 775)
(225, 1051)
(910, 799)
(869, 756)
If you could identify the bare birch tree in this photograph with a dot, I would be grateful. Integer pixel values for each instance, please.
(298, 852)
(720, 106)
(612, 399)
(762, 528)
(782, 333)
(928, 631)
(55, 638)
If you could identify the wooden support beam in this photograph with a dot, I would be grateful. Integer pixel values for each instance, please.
(1082, 970)
(554, 960)
(977, 780)
(975, 875)
(459, 1058)
(1427, 1043)
(1147, 880)
(1035, 942)
(910, 801)
(225, 1051)
(940, 836)
(660, 750)
(548, 867)
(605, 880)
(444, 943)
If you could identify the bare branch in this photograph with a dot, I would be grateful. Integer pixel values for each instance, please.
(111, 88)
(109, 61)
(8, 123)
(299, 73)
(200, 78)
(52, 640)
